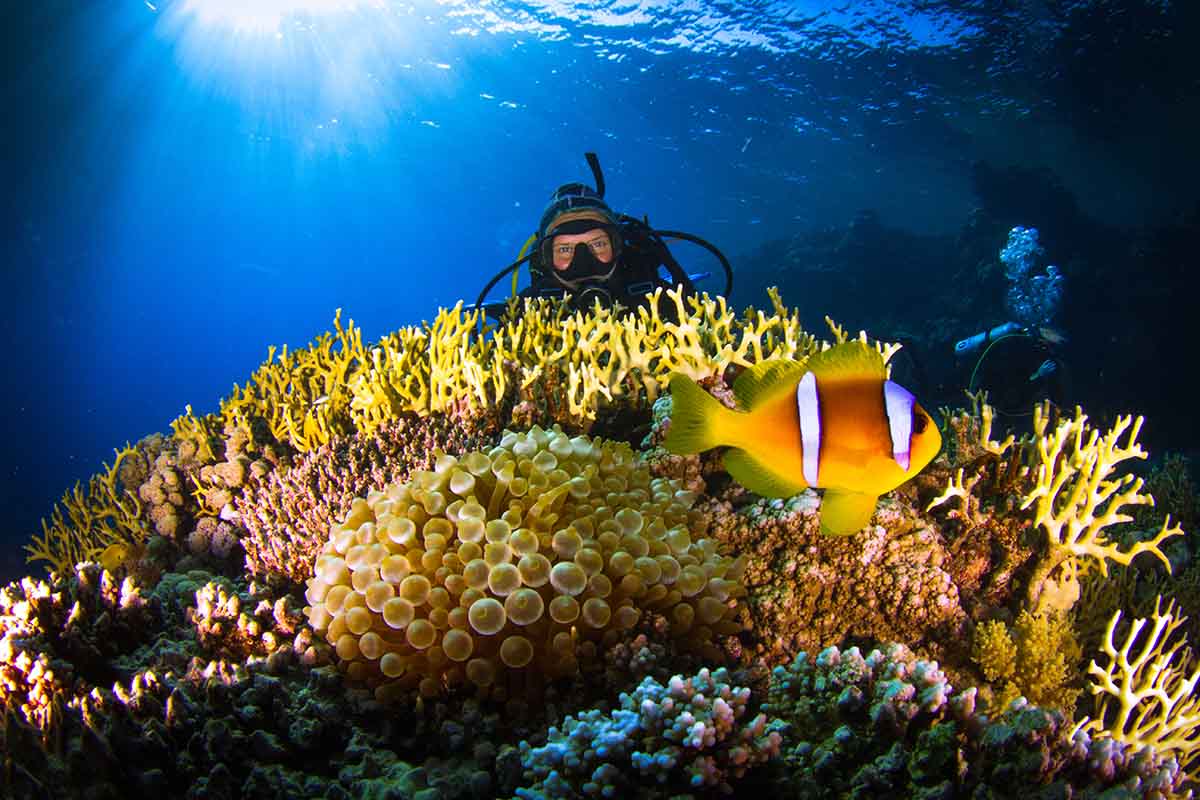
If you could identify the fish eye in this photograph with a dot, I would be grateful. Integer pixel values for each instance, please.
(920, 422)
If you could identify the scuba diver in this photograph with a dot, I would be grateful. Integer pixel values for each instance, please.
(587, 253)
(1019, 362)
(1018, 366)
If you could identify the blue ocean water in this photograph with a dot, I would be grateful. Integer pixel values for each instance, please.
(186, 183)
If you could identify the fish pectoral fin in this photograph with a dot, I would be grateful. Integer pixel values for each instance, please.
(844, 513)
(756, 477)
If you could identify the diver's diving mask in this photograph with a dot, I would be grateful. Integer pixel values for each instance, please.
(590, 261)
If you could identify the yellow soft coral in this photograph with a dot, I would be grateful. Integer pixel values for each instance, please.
(1145, 695)
(1035, 660)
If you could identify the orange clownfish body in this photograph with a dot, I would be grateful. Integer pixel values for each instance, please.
(833, 422)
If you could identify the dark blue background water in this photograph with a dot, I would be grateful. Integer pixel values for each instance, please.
(180, 192)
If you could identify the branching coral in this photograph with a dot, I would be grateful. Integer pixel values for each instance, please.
(103, 515)
(588, 358)
(56, 631)
(1145, 694)
(288, 513)
(1068, 475)
(304, 394)
(1077, 495)
(887, 724)
(515, 562)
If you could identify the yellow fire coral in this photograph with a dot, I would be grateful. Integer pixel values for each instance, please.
(588, 358)
(1076, 496)
(87, 522)
(594, 356)
(1067, 474)
(1145, 693)
(522, 560)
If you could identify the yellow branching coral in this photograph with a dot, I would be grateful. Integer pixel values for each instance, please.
(1077, 495)
(190, 428)
(576, 362)
(519, 563)
(303, 395)
(88, 521)
(593, 356)
(336, 384)
(1035, 659)
(1145, 694)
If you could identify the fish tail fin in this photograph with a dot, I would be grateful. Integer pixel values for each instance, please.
(695, 417)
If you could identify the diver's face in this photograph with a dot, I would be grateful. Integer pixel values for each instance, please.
(597, 240)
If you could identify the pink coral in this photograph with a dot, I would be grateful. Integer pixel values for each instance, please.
(289, 513)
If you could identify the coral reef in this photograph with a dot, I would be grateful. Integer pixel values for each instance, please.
(887, 724)
(350, 582)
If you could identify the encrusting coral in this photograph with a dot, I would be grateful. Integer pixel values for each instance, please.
(806, 588)
(521, 560)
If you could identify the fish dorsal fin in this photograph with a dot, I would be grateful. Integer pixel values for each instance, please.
(764, 378)
(756, 477)
(848, 361)
(844, 513)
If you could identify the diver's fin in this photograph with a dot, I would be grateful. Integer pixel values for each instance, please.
(693, 414)
(844, 513)
(764, 378)
(846, 361)
(756, 477)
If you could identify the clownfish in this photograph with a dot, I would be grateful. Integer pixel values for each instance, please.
(833, 422)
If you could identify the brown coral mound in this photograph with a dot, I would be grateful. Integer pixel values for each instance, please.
(288, 515)
(806, 589)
